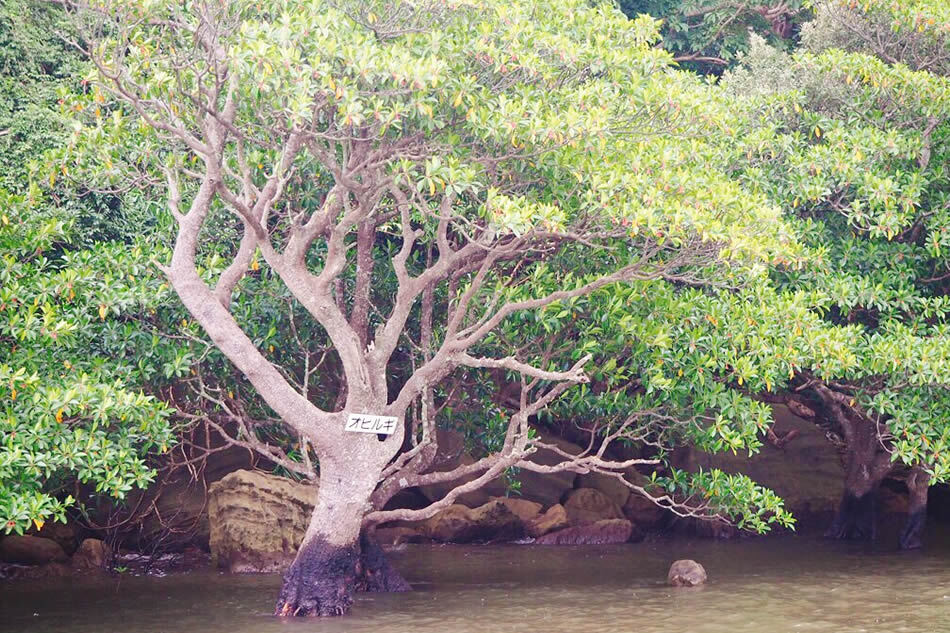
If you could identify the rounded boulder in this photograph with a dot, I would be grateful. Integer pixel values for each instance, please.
(31, 550)
(686, 573)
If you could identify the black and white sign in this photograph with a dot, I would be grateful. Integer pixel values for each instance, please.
(367, 423)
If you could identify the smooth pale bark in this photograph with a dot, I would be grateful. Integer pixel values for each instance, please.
(337, 557)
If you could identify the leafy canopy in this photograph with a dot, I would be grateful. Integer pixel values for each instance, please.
(556, 130)
(76, 313)
(857, 142)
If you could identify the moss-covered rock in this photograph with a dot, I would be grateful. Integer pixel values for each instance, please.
(493, 521)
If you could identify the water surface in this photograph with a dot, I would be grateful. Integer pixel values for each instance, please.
(755, 585)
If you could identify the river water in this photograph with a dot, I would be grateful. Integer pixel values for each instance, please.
(768, 585)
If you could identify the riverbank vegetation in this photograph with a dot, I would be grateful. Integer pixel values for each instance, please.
(499, 221)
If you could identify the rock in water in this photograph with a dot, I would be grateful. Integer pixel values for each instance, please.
(31, 550)
(686, 573)
(555, 518)
(258, 520)
(493, 521)
(92, 554)
(63, 533)
(606, 532)
(615, 489)
(522, 508)
(399, 535)
(644, 513)
(586, 505)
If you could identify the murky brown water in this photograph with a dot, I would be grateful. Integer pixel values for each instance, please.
(775, 585)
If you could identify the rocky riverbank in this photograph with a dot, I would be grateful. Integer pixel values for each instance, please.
(253, 521)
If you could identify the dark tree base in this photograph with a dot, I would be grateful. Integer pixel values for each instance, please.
(323, 578)
(376, 573)
(320, 581)
(912, 535)
(856, 518)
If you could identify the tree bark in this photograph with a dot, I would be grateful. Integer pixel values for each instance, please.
(377, 575)
(337, 558)
(857, 513)
(918, 484)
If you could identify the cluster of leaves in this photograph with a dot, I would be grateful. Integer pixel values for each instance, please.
(857, 144)
(34, 66)
(708, 35)
(78, 316)
(913, 33)
(75, 358)
(750, 505)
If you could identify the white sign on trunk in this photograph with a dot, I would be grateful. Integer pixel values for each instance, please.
(367, 423)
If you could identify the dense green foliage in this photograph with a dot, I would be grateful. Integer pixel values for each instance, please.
(564, 130)
(858, 148)
(74, 312)
(35, 66)
(708, 35)
(566, 120)
(70, 373)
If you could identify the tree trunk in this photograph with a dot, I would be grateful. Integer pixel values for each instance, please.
(377, 574)
(857, 514)
(918, 484)
(337, 558)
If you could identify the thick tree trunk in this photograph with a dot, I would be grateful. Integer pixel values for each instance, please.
(918, 484)
(337, 558)
(857, 514)
(856, 518)
(376, 572)
(321, 580)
